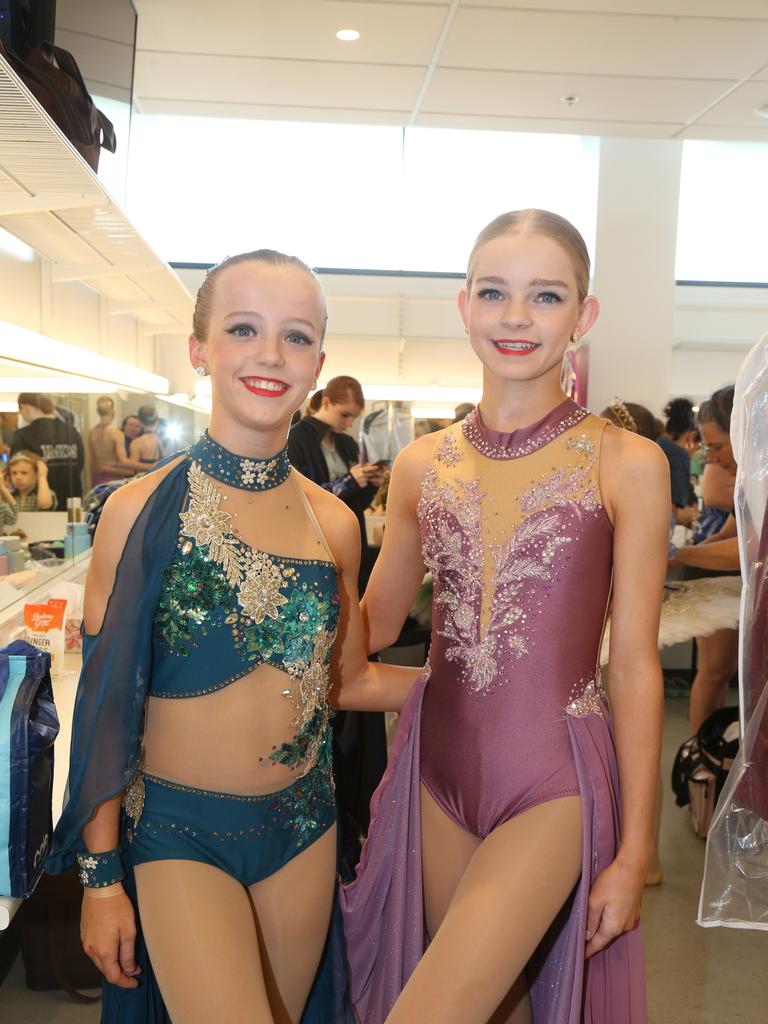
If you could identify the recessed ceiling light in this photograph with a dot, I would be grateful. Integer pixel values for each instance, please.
(348, 35)
(570, 100)
(762, 111)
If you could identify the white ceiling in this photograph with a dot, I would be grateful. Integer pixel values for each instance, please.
(648, 68)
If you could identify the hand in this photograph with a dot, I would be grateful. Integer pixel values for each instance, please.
(614, 904)
(375, 474)
(42, 469)
(687, 516)
(108, 934)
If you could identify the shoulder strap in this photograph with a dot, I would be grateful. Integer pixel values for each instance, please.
(313, 518)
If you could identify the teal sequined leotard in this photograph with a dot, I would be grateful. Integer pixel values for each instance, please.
(224, 609)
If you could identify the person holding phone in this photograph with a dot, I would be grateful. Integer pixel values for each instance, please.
(320, 448)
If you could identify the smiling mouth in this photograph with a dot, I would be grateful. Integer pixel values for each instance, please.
(265, 386)
(509, 347)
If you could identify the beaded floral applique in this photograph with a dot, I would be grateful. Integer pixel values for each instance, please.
(453, 551)
(587, 699)
(570, 486)
(252, 574)
(448, 451)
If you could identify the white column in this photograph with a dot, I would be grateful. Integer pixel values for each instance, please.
(631, 343)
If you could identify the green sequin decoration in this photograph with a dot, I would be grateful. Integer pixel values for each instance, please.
(292, 636)
(194, 592)
(309, 799)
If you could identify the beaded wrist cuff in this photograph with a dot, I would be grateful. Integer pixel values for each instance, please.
(98, 870)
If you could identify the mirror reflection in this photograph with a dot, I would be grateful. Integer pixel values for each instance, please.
(67, 443)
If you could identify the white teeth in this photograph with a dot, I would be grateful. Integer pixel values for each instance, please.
(517, 346)
(266, 385)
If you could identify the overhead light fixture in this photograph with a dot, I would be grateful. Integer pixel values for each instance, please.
(570, 100)
(762, 110)
(33, 349)
(348, 35)
(63, 385)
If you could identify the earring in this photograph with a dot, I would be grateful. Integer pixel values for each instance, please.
(314, 384)
(575, 338)
(200, 371)
(466, 329)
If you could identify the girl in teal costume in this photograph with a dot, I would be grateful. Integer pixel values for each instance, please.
(220, 610)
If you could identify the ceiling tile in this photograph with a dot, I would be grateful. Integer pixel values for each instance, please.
(538, 96)
(625, 129)
(671, 8)
(265, 112)
(275, 82)
(738, 108)
(725, 133)
(395, 33)
(604, 44)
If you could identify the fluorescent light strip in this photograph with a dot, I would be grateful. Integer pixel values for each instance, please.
(38, 349)
(66, 384)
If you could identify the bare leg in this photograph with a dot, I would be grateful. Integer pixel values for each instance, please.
(717, 661)
(654, 874)
(293, 909)
(201, 936)
(512, 887)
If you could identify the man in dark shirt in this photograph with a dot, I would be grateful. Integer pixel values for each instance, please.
(56, 442)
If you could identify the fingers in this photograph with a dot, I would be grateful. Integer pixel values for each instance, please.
(126, 955)
(608, 928)
(594, 915)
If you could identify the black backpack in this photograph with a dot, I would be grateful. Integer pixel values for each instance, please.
(701, 767)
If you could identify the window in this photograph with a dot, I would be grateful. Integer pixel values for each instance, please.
(723, 213)
(350, 196)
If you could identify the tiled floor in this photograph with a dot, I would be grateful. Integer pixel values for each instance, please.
(695, 975)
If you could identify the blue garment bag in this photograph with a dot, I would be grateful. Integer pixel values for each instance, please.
(28, 727)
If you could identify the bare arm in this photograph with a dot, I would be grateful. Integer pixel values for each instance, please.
(636, 492)
(717, 554)
(356, 683)
(108, 926)
(717, 487)
(399, 569)
(127, 465)
(44, 495)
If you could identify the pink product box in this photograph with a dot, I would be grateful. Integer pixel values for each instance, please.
(73, 641)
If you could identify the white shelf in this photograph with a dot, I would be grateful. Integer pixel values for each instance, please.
(51, 200)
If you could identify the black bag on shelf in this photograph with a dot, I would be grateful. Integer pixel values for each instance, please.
(52, 76)
(701, 767)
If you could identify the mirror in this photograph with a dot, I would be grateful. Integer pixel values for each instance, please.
(90, 437)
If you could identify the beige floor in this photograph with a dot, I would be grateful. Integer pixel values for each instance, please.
(695, 975)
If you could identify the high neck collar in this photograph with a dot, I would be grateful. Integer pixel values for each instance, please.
(497, 444)
(239, 471)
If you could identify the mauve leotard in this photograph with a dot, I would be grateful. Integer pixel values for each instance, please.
(514, 533)
(512, 712)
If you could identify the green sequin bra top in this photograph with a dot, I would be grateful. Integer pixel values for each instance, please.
(226, 608)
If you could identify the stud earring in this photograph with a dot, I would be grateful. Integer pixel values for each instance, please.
(575, 338)
(466, 329)
(314, 384)
(200, 371)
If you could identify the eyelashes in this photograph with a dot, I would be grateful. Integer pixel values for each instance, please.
(247, 331)
(542, 298)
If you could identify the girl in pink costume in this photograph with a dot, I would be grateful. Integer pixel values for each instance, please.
(511, 834)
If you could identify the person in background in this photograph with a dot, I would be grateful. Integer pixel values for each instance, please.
(677, 442)
(55, 441)
(147, 448)
(320, 448)
(632, 417)
(132, 427)
(30, 489)
(462, 411)
(8, 510)
(718, 653)
(109, 460)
